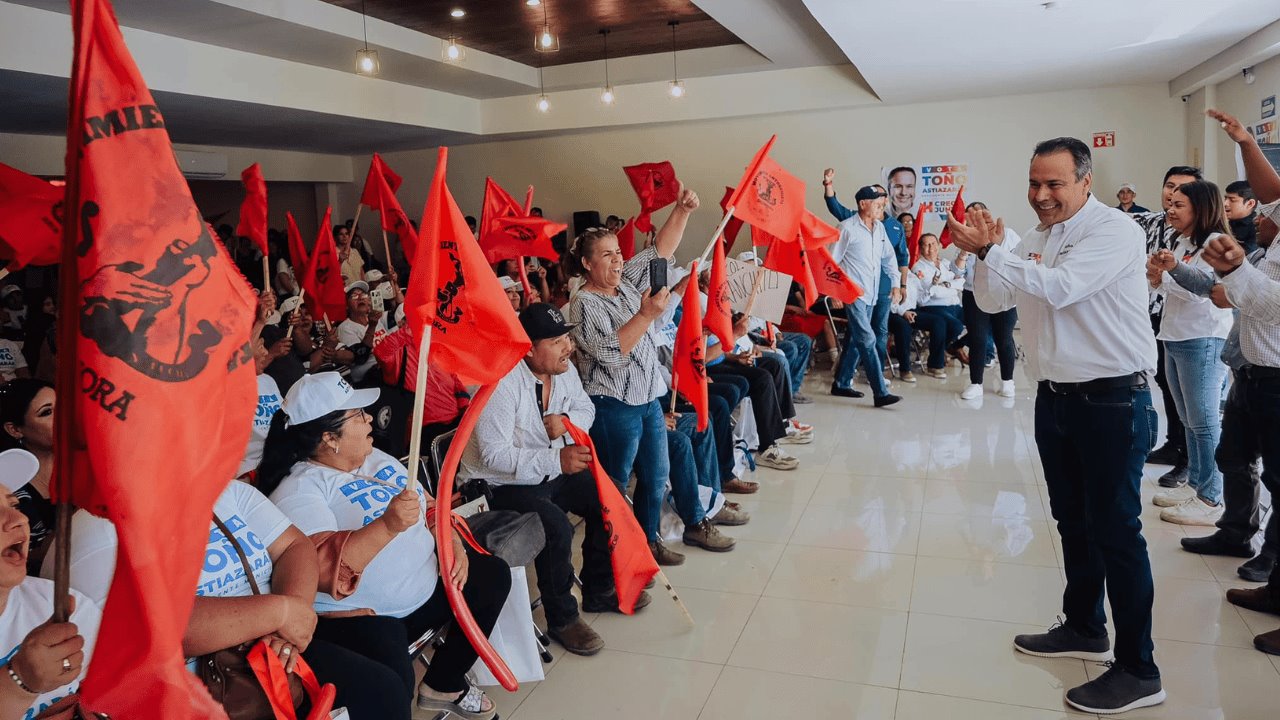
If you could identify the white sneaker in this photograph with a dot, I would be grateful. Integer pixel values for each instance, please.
(1193, 512)
(777, 458)
(1174, 497)
(795, 439)
(973, 392)
(1007, 389)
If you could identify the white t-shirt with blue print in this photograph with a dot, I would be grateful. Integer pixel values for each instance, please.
(269, 399)
(28, 607)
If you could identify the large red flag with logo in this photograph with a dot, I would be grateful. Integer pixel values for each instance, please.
(498, 203)
(689, 364)
(719, 319)
(656, 186)
(155, 369)
(253, 211)
(633, 564)
(913, 242)
(379, 174)
(30, 219)
(774, 201)
(513, 237)
(829, 278)
(957, 209)
(297, 250)
(326, 295)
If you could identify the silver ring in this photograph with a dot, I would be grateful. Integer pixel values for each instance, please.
(287, 650)
(66, 664)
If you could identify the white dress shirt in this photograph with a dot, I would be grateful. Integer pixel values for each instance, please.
(1080, 287)
(1188, 316)
(940, 282)
(1256, 292)
(510, 445)
(864, 254)
(1010, 243)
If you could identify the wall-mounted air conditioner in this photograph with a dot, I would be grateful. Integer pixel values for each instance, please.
(202, 165)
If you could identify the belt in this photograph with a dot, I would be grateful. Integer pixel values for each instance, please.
(1133, 380)
(1258, 372)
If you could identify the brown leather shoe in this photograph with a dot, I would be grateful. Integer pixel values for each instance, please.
(740, 487)
(1260, 599)
(706, 536)
(578, 638)
(665, 555)
(1268, 642)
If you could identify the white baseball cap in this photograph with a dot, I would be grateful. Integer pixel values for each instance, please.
(315, 396)
(509, 282)
(357, 285)
(1127, 186)
(747, 257)
(399, 316)
(373, 276)
(17, 467)
(1271, 211)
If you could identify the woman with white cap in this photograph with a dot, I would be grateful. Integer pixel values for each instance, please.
(379, 577)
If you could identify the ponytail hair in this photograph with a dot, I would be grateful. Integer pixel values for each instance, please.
(288, 446)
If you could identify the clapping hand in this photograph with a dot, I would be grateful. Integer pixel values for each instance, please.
(977, 231)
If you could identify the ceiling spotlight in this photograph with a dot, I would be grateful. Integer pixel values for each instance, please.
(1249, 77)
(544, 104)
(452, 52)
(458, 12)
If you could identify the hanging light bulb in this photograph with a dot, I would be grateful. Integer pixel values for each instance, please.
(545, 40)
(452, 52)
(367, 62)
(675, 88)
(544, 105)
(606, 95)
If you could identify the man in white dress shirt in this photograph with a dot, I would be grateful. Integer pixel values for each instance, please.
(1079, 284)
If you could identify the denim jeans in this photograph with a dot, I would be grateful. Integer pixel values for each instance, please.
(861, 345)
(703, 445)
(948, 324)
(984, 328)
(1194, 370)
(797, 347)
(724, 395)
(1250, 427)
(634, 436)
(1092, 447)
(880, 316)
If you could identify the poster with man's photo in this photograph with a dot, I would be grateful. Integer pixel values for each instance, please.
(933, 186)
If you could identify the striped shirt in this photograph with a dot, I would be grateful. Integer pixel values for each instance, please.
(1256, 292)
(1160, 236)
(634, 378)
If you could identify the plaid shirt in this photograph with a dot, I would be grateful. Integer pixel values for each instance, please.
(1160, 236)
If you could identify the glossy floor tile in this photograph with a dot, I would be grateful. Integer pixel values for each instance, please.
(886, 578)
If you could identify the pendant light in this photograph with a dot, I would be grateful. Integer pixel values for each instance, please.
(452, 52)
(675, 88)
(543, 104)
(606, 95)
(545, 41)
(367, 62)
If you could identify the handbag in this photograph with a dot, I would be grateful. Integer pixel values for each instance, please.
(250, 682)
(515, 537)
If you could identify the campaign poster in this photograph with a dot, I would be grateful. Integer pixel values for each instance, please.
(932, 186)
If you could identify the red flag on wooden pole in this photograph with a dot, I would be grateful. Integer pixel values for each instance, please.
(297, 250)
(913, 242)
(498, 203)
(30, 219)
(379, 173)
(326, 294)
(520, 237)
(774, 202)
(253, 211)
(157, 319)
(957, 210)
(719, 319)
(689, 364)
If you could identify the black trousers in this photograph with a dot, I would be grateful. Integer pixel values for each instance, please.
(552, 500)
(1175, 434)
(982, 326)
(1250, 428)
(770, 424)
(368, 689)
(385, 640)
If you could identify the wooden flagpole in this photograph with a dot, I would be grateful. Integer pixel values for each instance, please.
(386, 246)
(266, 273)
(684, 610)
(715, 236)
(419, 406)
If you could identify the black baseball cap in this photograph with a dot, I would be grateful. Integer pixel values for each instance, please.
(869, 192)
(542, 321)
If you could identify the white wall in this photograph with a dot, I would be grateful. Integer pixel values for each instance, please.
(1243, 101)
(995, 136)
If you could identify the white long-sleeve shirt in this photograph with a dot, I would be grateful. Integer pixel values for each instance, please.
(1009, 243)
(939, 282)
(1080, 287)
(1188, 316)
(1256, 292)
(864, 255)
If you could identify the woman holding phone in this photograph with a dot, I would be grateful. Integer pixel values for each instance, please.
(619, 365)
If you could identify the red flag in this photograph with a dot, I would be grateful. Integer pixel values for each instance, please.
(633, 564)
(498, 203)
(734, 225)
(689, 366)
(627, 239)
(829, 278)
(379, 173)
(656, 186)
(719, 319)
(775, 203)
(297, 250)
(957, 209)
(519, 237)
(393, 216)
(791, 258)
(253, 211)
(475, 334)
(326, 294)
(30, 219)
(753, 168)
(157, 378)
(913, 242)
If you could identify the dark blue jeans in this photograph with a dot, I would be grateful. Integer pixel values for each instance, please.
(903, 333)
(634, 437)
(861, 346)
(880, 317)
(725, 394)
(1092, 447)
(797, 347)
(702, 449)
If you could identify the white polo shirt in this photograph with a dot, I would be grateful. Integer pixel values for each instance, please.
(1188, 316)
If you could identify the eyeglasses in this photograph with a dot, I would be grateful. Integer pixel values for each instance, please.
(359, 413)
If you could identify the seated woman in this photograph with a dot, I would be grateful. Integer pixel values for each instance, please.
(26, 411)
(43, 661)
(904, 320)
(940, 285)
(380, 581)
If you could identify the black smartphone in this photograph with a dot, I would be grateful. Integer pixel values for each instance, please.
(657, 275)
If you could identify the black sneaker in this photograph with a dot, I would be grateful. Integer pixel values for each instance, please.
(887, 400)
(1115, 691)
(1258, 569)
(609, 603)
(846, 392)
(1062, 641)
(1175, 478)
(1167, 454)
(1216, 544)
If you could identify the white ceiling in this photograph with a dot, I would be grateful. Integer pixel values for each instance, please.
(926, 50)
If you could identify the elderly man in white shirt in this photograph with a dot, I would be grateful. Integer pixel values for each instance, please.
(521, 448)
(1078, 279)
(866, 256)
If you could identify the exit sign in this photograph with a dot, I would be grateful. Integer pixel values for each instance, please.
(1104, 139)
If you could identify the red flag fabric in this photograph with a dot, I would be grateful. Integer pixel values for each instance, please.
(627, 239)
(393, 216)
(379, 173)
(753, 168)
(689, 365)
(498, 203)
(326, 295)
(253, 211)
(913, 242)
(829, 278)
(775, 203)
(656, 186)
(719, 318)
(815, 233)
(297, 250)
(475, 334)
(519, 237)
(791, 258)
(157, 378)
(633, 564)
(734, 225)
(957, 209)
(30, 219)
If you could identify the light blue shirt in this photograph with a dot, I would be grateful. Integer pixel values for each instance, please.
(865, 255)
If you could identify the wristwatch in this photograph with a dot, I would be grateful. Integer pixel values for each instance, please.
(982, 252)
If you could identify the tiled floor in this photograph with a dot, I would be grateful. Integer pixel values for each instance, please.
(886, 578)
